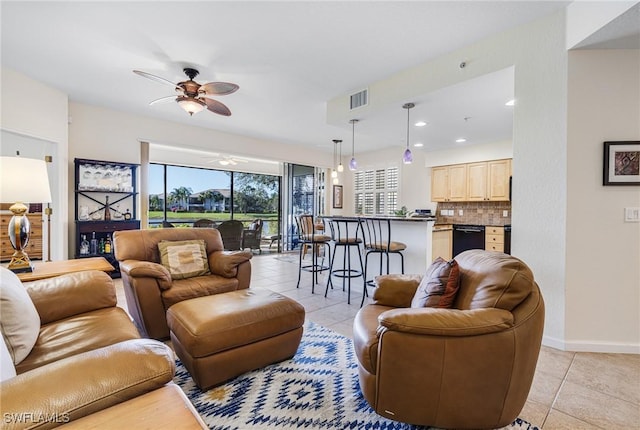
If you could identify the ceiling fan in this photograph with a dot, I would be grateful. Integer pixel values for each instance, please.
(192, 96)
(227, 160)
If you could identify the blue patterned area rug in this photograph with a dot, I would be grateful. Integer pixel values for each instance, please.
(317, 389)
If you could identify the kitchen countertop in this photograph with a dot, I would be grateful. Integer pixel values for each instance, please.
(383, 218)
(442, 227)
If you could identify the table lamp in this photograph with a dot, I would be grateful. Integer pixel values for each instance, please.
(22, 180)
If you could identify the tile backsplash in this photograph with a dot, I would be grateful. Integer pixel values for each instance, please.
(476, 213)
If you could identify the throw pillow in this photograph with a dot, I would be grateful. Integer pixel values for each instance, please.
(7, 369)
(184, 258)
(19, 319)
(439, 285)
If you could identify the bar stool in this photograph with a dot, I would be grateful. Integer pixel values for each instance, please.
(344, 232)
(376, 233)
(309, 238)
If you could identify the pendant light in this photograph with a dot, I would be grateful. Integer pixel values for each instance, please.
(353, 165)
(334, 172)
(340, 166)
(407, 157)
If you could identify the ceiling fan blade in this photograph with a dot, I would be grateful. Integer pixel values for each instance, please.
(162, 99)
(218, 88)
(216, 107)
(156, 78)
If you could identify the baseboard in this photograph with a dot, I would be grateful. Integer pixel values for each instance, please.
(577, 346)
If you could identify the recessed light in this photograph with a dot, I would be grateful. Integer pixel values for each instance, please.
(420, 124)
(511, 102)
(418, 144)
(461, 140)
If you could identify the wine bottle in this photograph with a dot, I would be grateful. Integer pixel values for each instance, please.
(101, 246)
(107, 211)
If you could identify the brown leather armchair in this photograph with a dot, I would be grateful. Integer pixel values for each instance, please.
(148, 286)
(466, 367)
(87, 355)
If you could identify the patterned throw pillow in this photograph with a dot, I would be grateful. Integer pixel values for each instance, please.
(439, 285)
(184, 258)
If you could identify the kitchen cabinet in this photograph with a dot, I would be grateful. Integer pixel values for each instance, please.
(488, 180)
(441, 242)
(34, 246)
(449, 183)
(482, 181)
(494, 238)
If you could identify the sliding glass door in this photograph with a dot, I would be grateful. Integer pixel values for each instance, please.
(302, 193)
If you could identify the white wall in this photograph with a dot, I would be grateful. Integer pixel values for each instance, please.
(30, 108)
(539, 164)
(603, 252)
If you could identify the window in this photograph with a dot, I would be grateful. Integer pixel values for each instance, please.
(376, 191)
(181, 195)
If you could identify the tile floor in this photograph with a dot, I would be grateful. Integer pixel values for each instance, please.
(571, 390)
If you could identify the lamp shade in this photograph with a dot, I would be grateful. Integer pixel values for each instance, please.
(24, 180)
(190, 104)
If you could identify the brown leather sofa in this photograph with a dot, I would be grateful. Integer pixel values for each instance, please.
(148, 286)
(87, 357)
(466, 367)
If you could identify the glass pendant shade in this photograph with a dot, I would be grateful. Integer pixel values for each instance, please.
(340, 167)
(191, 105)
(334, 174)
(407, 157)
(335, 181)
(353, 164)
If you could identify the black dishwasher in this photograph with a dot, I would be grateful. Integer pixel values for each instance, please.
(467, 237)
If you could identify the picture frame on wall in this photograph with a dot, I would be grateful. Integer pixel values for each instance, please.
(337, 196)
(621, 163)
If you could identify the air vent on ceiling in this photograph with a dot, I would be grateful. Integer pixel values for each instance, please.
(359, 99)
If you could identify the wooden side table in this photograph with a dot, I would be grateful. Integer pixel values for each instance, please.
(49, 269)
(164, 408)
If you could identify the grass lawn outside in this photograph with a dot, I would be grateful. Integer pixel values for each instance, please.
(186, 219)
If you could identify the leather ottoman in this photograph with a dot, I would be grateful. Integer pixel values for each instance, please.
(221, 336)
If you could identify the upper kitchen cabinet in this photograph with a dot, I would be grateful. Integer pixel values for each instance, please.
(498, 174)
(449, 183)
(482, 181)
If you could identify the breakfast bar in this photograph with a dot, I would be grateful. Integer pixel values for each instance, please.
(415, 232)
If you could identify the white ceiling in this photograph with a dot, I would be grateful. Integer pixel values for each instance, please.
(288, 58)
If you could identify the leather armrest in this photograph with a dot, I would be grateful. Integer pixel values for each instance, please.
(446, 322)
(225, 263)
(71, 294)
(395, 290)
(147, 269)
(85, 383)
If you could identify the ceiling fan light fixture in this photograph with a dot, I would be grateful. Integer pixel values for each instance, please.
(191, 105)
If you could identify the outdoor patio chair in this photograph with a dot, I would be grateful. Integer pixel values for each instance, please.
(231, 232)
